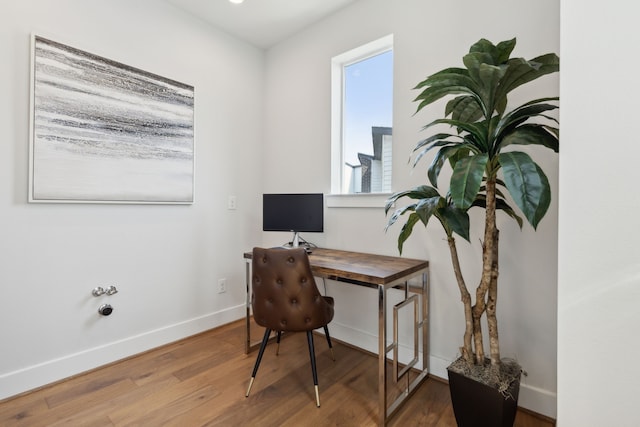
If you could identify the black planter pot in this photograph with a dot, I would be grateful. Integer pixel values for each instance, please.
(479, 405)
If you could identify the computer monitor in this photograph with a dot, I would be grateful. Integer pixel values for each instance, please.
(295, 212)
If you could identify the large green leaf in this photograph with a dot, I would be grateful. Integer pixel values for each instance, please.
(450, 79)
(416, 193)
(395, 216)
(496, 54)
(466, 180)
(472, 61)
(435, 76)
(500, 105)
(527, 184)
(545, 198)
(515, 69)
(521, 71)
(553, 130)
(484, 62)
(432, 94)
(439, 139)
(429, 203)
(490, 76)
(406, 230)
(438, 161)
(460, 154)
(531, 134)
(464, 108)
(425, 208)
(434, 144)
(454, 220)
(477, 130)
(524, 113)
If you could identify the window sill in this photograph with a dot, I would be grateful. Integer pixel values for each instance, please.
(363, 200)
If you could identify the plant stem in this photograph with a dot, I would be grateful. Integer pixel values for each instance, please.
(465, 296)
(492, 300)
(490, 270)
(478, 310)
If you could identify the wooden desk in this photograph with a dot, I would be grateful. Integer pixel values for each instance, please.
(382, 273)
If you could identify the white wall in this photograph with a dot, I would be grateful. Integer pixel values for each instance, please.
(599, 254)
(165, 260)
(428, 36)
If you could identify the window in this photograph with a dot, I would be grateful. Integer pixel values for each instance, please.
(361, 116)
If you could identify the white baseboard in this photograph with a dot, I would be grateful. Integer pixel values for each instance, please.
(32, 377)
(532, 398)
(538, 400)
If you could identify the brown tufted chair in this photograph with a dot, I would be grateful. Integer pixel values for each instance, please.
(286, 299)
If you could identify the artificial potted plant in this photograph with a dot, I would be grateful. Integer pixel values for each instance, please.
(481, 147)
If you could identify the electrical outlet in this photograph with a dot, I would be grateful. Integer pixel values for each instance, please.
(222, 286)
(231, 203)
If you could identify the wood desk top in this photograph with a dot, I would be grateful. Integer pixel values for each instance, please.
(361, 267)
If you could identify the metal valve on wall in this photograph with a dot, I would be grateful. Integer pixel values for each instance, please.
(104, 309)
(110, 290)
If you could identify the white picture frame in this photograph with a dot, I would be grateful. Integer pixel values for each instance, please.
(105, 132)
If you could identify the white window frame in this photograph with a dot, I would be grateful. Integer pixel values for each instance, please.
(338, 63)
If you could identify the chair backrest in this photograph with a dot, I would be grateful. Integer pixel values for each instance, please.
(285, 296)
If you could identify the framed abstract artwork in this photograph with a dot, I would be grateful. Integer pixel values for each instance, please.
(105, 132)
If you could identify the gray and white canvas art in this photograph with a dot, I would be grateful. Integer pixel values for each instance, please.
(107, 132)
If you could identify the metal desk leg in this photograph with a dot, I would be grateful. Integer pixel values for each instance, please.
(247, 342)
(382, 355)
(421, 321)
(425, 321)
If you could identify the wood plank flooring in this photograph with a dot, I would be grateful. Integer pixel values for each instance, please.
(202, 380)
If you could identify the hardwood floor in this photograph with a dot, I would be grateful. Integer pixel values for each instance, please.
(202, 380)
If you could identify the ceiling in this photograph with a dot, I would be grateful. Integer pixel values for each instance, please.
(262, 23)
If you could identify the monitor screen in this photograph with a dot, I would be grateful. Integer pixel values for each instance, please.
(293, 212)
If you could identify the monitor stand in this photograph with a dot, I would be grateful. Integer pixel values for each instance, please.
(296, 240)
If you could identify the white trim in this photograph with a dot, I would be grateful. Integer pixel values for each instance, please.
(29, 378)
(362, 200)
(365, 51)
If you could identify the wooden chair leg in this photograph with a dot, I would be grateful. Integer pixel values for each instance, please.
(326, 334)
(265, 340)
(278, 342)
(312, 356)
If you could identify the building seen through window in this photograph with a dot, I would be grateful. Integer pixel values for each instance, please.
(373, 172)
